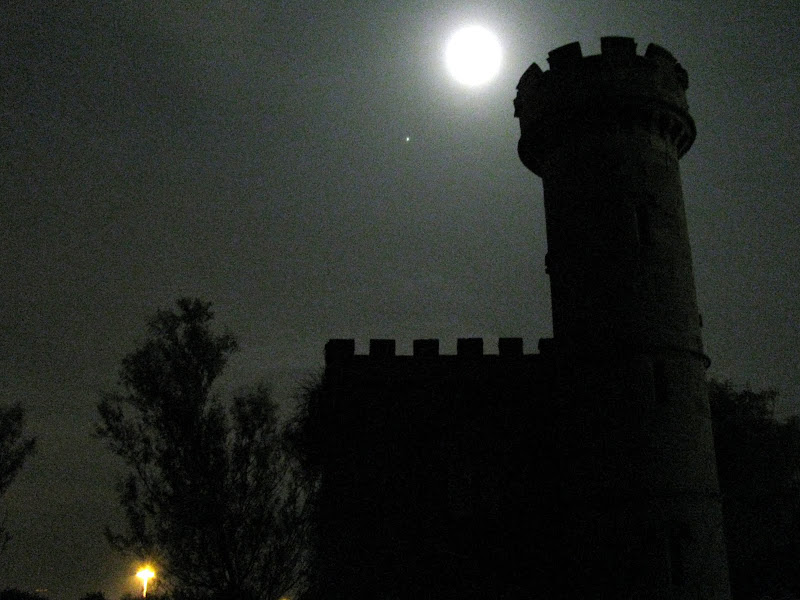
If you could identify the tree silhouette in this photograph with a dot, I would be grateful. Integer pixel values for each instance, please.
(302, 440)
(15, 594)
(758, 459)
(94, 596)
(14, 450)
(210, 496)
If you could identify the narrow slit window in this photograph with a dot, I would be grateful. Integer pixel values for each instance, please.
(677, 569)
(659, 381)
(643, 226)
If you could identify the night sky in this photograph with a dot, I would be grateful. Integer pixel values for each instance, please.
(254, 154)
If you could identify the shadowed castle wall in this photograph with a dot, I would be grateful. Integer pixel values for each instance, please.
(436, 471)
(585, 471)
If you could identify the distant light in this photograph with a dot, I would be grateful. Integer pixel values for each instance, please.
(408, 139)
(473, 55)
(145, 574)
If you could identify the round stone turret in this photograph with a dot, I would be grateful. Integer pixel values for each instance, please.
(605, 133)
(640, 511)
(584, 96)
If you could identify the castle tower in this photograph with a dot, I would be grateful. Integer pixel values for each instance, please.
(640, 508)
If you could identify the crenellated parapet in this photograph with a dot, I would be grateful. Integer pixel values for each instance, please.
(343, 350)
(585, 95)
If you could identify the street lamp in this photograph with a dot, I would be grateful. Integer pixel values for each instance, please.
(145, 574)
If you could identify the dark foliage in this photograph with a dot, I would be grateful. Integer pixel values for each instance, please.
(210, 496)
(305, 429)
(14, 594)
(94, 596)
(758, 458)
(150, 595)
(14, 450)
(301, 441)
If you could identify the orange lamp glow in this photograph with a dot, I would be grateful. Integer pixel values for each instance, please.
(145, 574)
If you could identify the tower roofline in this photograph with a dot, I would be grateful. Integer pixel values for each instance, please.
(342, 350)
(615, 53)
(617, 88)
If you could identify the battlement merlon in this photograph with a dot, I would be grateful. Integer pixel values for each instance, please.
(338, 351)
(616, 88)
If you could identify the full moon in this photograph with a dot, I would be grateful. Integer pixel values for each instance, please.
(473, 55)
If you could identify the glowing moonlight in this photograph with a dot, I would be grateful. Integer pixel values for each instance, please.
(473, 55)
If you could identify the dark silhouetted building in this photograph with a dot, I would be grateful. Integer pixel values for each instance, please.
(586, 470)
